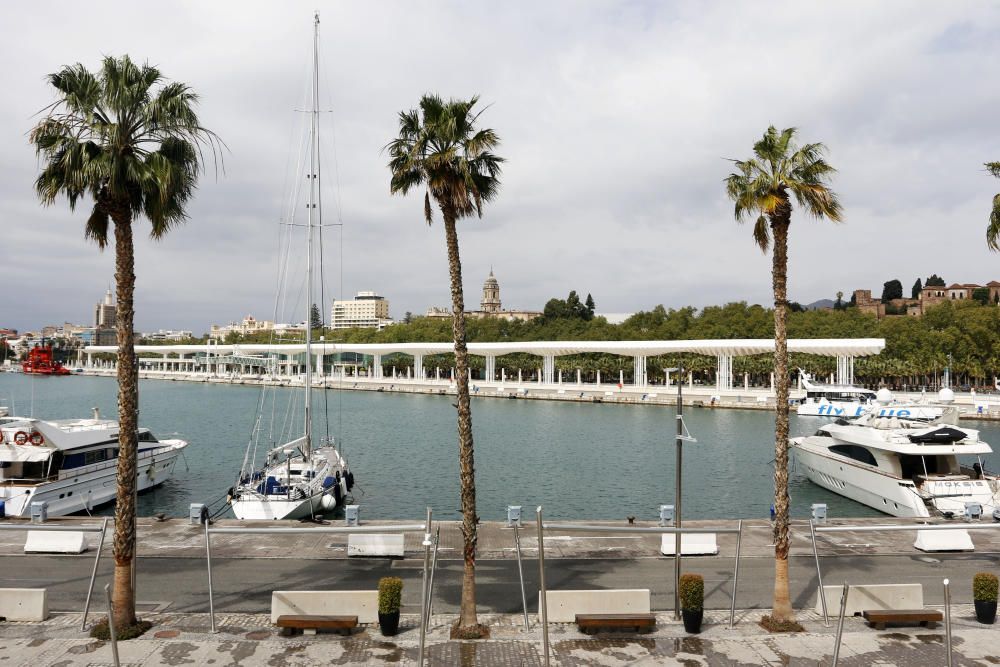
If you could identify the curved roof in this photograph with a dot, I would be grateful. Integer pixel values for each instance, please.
(831, 347)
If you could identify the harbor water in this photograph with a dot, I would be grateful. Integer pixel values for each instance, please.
(578, 460)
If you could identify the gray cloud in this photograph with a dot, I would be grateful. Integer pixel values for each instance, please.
(615, 120)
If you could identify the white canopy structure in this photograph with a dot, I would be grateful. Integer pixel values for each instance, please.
(845, 349)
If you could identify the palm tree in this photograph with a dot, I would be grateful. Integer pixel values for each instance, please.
(134, 151)
(440, 148)
(993, 231)
(762, 188)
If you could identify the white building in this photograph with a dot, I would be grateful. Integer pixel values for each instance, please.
(168, 334)
(249, 325)
(367, 310)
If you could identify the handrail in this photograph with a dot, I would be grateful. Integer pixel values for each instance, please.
(87, 528)
(299, 530)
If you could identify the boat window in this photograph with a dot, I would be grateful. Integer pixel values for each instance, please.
(147, 436)
(95, 457)
(823, 434)
(855, 452)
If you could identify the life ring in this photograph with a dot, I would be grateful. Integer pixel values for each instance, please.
(1, 437)
(20, 438)
(37, 438)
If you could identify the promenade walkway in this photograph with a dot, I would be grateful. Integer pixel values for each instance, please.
(250, 640)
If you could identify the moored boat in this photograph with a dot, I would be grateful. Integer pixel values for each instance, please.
(41, 362)
(72, 464)
(903, 467)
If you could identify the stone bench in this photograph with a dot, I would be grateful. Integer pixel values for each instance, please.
(564, 605)
(375, 544)
(591, 623)
(692, 544)
(944, 540)
(872, 596)
(24, 604)
(55, 542)
(363, 604)
(878, 618)
(310, 624)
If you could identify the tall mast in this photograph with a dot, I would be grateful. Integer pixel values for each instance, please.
(311, 207)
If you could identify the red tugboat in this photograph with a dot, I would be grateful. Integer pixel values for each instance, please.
(40, 362)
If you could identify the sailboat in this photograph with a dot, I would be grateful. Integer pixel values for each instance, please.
(297, 479)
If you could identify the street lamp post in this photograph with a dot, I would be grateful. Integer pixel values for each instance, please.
(677, 489)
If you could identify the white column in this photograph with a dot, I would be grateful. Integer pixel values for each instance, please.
(503, 375)
(549, 365)
(772, 383)
(377, 366)
(621, 378)
(437, 372)
(639, 365)
(418, 366)
(519, 376)
(491, 367)
(746, 382)
(540, 375)
(578, 380)
(598, 378)
(560, 376)
(690, 379)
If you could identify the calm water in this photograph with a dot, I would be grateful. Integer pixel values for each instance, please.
(577, 460)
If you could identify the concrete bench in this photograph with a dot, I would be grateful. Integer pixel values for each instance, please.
(55, 542)
(363, 604)
(564, 605)
(310, 624)
(372, 544)
(692, 544)
(878, 618)
(591, 623)
(872, 596)
(24, 604)
(944, 540)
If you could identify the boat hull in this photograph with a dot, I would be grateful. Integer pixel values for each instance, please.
(879, 491)
(92, 486)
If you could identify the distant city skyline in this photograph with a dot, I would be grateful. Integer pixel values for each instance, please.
(616, 120)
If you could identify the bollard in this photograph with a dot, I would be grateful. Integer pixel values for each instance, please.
(111, 625)
(513, 516)
(666, 515)
(947, 623)
(543, 603)
(840, 622)
(352, 515)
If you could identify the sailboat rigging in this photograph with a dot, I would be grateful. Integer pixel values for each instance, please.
(297, 479)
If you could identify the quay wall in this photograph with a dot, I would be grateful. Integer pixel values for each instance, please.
(693, 395)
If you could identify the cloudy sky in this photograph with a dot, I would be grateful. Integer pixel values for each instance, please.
(615, 119)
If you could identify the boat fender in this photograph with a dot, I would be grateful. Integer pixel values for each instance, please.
(203, 515)
(20, 438)
(229, 496)
(336, 493)
(350, 480)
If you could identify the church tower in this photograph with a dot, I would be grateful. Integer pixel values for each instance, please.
(491, 295)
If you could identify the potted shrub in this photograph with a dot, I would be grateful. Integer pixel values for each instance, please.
(390, 596)
(984, 593)
(692, 594)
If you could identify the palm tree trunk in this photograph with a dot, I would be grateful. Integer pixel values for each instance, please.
(782, 609)
(128, 409)
(468, 622)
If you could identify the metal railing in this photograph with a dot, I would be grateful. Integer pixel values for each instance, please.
(813, 529)
(44, 527)
(337, 530)
(662, 530)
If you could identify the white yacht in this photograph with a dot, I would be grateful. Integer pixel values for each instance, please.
(297, 479)
(834, 400)
(903, 467)
(72, 463)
